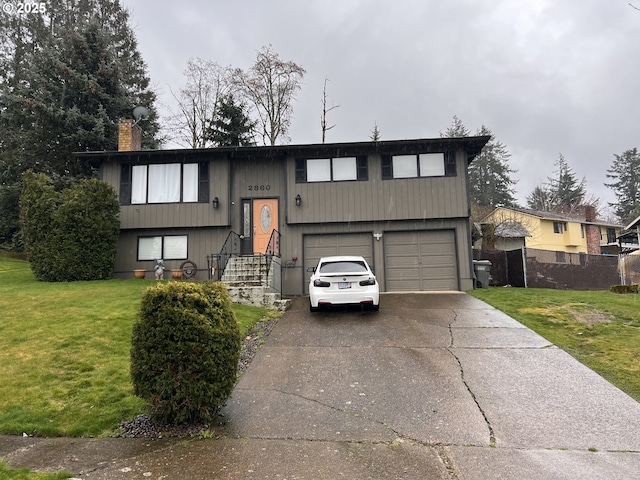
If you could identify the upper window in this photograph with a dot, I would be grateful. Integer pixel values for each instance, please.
(418, 165)
(336, 169)
(559, 227)
(164, 183)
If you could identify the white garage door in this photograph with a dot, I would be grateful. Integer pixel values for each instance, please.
(420, 261)
(326, 245)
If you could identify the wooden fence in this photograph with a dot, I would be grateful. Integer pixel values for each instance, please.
(534, 268)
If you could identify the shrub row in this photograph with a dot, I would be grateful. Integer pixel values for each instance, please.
(625, 288)
(184, 351)
(70, 234)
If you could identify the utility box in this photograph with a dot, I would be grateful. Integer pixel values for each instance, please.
(482, 271)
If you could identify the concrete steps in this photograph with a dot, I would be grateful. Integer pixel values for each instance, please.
(248, 283)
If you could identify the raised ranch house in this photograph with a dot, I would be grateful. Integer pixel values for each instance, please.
(403, 205)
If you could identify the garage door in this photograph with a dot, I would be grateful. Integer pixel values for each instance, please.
(326, 245)
(420, 261)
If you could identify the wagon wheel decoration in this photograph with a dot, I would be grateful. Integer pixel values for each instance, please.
(189, 269)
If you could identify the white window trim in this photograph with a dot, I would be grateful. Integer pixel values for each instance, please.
(334, 169)
(177, 184)
(163, 247)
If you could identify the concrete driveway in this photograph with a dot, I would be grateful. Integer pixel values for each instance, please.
(435, 386)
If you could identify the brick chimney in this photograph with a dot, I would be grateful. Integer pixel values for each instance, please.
(129, 136)
(591, 232)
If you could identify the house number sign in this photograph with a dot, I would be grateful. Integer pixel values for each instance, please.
(257, 188)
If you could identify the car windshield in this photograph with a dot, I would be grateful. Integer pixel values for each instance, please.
(343, 267)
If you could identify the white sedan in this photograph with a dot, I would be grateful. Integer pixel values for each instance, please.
(343, 281)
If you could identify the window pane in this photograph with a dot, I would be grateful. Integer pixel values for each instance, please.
(190, 182)
(405, 166)
(345, 168)
(432, 164)
(319, 170)
(164, 183)
(149, 248)
(175, 247)
(139, 184)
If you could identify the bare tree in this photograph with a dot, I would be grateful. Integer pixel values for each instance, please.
(198, 101)
(270, 85)
(323, 120)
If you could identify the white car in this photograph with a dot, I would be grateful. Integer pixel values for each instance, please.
(343, 281)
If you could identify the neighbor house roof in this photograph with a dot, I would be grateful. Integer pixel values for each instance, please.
(511, 229)
(553, 216)
(634, 224)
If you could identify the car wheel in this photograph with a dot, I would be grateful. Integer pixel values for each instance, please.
(313, 309)
(375, 308)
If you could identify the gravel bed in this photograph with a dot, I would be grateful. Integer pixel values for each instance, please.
(144, 427)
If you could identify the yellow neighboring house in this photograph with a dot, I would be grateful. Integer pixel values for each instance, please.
(557, 232)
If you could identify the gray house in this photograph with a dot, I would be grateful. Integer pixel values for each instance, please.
(403, 205)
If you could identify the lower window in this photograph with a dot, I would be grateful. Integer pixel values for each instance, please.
(167, 247)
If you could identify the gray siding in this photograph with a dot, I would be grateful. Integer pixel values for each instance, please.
(377, 199)
(177, 214)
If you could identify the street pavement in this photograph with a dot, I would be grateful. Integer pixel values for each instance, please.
(433, 386)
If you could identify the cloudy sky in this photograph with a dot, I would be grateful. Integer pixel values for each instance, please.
(545, 76)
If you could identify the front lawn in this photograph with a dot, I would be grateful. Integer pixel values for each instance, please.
(64, 352)
(599, 328)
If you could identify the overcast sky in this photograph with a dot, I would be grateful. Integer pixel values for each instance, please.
(545, 76)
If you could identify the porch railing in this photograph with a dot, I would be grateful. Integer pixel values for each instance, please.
(217, 263)
(273, 247)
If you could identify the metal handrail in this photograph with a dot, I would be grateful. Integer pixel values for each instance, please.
(218, 262)
(273, 247)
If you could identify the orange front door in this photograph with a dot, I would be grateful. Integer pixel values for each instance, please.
(265, 221)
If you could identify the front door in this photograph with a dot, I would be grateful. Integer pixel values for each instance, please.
(265, 221)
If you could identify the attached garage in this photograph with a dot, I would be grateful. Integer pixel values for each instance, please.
(317, 246)
(420, 261)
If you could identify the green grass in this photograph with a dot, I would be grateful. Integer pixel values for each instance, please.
(7, 473)
(599, 328)
(64, 352)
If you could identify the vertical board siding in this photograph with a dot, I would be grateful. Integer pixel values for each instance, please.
(377, 199)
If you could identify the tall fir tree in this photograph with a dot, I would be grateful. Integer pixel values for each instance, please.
(625, 182)
(456, 129)
(231, 126)
(66, 77)
(490, 181)
(562, 192)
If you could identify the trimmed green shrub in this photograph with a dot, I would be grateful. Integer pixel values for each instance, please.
(625, 288)
(184, 350)
(70, 234)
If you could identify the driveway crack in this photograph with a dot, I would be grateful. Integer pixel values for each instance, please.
(492, 438)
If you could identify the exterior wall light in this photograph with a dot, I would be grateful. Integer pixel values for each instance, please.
(215, 202)
(298, 200)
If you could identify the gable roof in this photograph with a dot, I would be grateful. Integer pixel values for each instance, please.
(558, 217)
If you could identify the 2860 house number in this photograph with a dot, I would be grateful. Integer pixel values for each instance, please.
(258, 188)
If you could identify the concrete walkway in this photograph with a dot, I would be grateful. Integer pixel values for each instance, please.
(435, 386)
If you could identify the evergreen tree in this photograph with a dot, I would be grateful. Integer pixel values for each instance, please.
(625, 175)
(561, 193)
(231, 126)
(564, 189)
(66, 77)
(490, 181)
(540, 199)
(456, 129)
(375, 133)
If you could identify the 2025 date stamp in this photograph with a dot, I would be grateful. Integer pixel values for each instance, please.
(25, 8)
